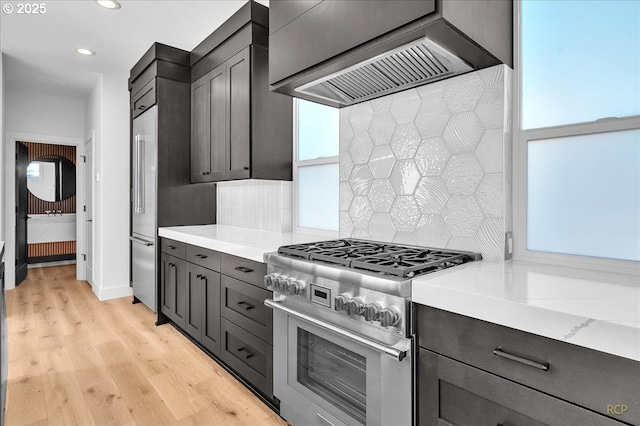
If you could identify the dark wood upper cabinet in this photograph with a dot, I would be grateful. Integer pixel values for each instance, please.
(310, 40)
(239, 129)
(162, 78)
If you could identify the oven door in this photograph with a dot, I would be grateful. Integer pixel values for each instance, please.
(325, 378)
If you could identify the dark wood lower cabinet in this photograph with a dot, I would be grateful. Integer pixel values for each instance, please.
(455, 394)
(197, 277)
(250, 356)
(172, 288)
(211, 315)
(225, 315)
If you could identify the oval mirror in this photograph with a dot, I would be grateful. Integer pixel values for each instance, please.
(51, 178)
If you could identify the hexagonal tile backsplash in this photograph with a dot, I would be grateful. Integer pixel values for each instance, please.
(431, 166)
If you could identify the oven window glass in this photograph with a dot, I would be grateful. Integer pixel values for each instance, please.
(334, 373)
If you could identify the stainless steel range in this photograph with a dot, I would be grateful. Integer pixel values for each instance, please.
(341, 329)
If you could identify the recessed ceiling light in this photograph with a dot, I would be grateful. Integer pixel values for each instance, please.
(86, 52)
(109, 4)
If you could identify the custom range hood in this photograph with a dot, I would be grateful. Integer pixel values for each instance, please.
(340, 53)
(410, 65)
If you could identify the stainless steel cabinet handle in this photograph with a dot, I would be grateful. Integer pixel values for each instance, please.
(539, 365)
(244, 305)
(397, 354)
(140, 241)
(141, 172)
(135, 174)
(243, 269)
(245, 353)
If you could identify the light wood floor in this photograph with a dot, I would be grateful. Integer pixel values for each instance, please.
(76, 360)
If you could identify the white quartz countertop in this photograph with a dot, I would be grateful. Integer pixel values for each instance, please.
(248, 243)
(593, 309)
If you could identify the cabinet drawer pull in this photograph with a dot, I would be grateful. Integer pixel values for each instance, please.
(171, 265)
(244, 305)
(539, 365)
(243, 269)
(172, 247)
(245, 353)
(202, 277)
(201, 256)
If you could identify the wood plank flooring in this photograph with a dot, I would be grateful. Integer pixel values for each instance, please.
(74, 360)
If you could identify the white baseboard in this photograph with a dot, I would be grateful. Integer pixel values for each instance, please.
(112, 292)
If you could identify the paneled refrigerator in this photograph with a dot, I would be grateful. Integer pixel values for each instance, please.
(161, 190)
(143, 220)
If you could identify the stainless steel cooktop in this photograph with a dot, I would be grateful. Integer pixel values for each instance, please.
(389, 259)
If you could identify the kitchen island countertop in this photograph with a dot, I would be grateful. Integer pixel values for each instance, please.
(248, 243)
(594, 309)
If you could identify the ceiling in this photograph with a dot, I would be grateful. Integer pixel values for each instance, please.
(39, 49)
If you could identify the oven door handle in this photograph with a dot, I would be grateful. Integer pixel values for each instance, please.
(395, 353)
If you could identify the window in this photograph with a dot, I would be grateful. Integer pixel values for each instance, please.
(316, 166)
(577, 118)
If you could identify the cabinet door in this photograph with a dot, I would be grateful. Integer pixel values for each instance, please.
(180, 284)
(196, 279)
(239, 104)
(456, 394)
(200, 143)
(172, 287)
(217, 86)
(167, 286)
(211, 313)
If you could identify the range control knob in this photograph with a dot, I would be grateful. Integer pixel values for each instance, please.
(341, 303)
(295, 287)
(389, 317)
(279, 283)
(372, 311)
(354, 306)
(268, 282)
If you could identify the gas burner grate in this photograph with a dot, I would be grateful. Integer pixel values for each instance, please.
(383, 258)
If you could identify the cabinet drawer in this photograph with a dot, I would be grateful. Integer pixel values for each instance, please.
(174, 248)
(144, 99)
(206, 258)
(586, 377)
(456, 394)
(249, 356)
(246, 270)
(244, 305)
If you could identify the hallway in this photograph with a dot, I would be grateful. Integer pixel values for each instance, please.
(76, 360)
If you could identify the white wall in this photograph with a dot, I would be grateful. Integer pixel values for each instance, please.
(107, 110)
(2, 93)
(44, 114)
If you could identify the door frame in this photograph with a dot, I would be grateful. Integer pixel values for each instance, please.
(10, 197)
(82, 267)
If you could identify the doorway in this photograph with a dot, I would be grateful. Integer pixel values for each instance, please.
(51, 203)
(11, 202)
